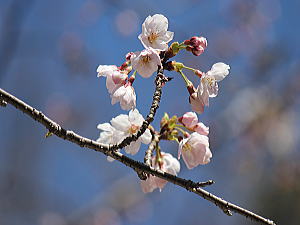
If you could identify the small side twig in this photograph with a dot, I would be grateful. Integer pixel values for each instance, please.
(204, 184)
(152, 146)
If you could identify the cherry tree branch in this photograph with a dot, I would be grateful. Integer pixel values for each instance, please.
(140, 168)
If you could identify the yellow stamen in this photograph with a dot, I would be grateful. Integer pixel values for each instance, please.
(152, 37)
(133, 129)
(187, 147)
(145, 59)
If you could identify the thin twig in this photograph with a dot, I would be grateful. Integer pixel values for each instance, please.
(152, 146)
(69, 135)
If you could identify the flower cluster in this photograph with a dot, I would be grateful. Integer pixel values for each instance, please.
(155, 38)
(190, 134)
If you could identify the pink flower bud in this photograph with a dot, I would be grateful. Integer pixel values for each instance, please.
(200, 128)
(189, 119)
(196, 45)
(198, 42)
(129, 55)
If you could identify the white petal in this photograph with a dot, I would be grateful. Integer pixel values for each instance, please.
(146, 137)
(213, 90)
(104, 70)
(219, 71)
(203, 94)
(121, 123)
(119, 92)
(135, 117)
(105, 127)
(133, 148)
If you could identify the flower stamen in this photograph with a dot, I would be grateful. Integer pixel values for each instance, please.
(152, 37)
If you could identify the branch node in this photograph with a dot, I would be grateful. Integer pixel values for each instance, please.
(48, 134)
(204, 184)
(141, 174)
(3, 103)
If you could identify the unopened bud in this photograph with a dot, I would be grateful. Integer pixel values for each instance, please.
(196, 45)
(129, 55)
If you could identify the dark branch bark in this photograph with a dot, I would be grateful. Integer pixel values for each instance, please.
(139, 167)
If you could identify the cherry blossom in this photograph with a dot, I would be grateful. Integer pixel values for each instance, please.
(124, 94)
(145, 62)
(208, 86)
(167, 164)
(115, 78)
(155, 32)
(194, 150)
(128, 125)
(190, 120)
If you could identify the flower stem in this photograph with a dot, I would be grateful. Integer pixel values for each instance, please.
(186, 80)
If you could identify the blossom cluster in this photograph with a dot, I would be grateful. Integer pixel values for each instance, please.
(190, 134)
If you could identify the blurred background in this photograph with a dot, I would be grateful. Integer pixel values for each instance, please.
(49, 52)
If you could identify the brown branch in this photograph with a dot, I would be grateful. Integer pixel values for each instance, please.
(141, 168)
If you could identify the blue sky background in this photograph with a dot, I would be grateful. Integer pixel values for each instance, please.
(49, 52)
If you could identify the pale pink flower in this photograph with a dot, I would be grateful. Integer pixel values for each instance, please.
(208, 87)
(200, 128)
(155, 32)
(189, 119)
(128, 125)
(169, 164)
(195, 150)
(145, 62)
(115, 78)
(124, 94)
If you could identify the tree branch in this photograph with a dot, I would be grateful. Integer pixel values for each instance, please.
(139, 167)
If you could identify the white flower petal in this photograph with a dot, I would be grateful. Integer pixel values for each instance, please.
(105, 127)
(133, 148)
(121, 123)
(146, 137)
(213, 90)
(104, 70)
(135, 117)
(219, 71)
